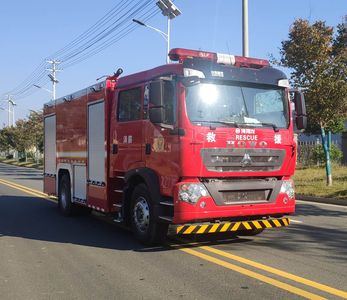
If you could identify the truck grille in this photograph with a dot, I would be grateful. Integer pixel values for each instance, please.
(242, 160)
(242, 191)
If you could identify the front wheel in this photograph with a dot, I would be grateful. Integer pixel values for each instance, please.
(143, 221)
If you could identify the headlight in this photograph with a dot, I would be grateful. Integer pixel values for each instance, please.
(192, 192)
(288, 188)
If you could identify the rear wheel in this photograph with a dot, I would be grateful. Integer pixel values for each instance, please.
(65, 205)
(143, 221)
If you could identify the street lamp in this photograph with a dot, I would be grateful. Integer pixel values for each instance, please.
(170, 11)
(163, 34)
(41, 87)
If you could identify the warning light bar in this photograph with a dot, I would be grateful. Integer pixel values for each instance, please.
(180, 54)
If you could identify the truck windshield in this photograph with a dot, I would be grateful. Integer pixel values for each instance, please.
(231, 105)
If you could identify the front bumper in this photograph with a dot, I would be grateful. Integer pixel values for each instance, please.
(230, 226)
(213, 207)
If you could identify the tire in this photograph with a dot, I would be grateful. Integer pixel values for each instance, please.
(65, 205)
(143, 220)
(252, 232)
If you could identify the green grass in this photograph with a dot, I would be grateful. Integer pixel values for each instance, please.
(311, 181)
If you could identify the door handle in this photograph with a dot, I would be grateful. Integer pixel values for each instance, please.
(148, 148)
(114, 148)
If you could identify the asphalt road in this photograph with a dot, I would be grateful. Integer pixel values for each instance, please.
(44, 255)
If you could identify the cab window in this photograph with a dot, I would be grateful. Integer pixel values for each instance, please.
(129, 105)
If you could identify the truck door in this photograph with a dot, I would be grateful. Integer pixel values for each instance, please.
(127, 140)
(162, 136)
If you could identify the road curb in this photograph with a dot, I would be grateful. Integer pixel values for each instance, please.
(342, 202)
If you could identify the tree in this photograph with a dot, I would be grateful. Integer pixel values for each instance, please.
(22, 138)
(318, 60)
(7, 142)
(35, 125)
(25, 136)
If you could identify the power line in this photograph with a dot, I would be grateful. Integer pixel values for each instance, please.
(107, 31)
(113, 26)
(106, 18)
(111, 40)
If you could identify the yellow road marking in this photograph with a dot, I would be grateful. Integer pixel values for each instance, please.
(252, 274)
(26, 190)
(24, 187)
(241, 270)
(272, 270)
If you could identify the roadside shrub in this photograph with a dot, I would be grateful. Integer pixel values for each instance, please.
(319, 156)
(31, 155)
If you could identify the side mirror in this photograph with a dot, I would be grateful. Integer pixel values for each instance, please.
(156, 93)
(157, 115)
(161, 97)
(156, 101)
(300, 109)
(301, 122)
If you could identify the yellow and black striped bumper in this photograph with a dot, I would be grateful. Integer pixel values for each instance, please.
(231, 226)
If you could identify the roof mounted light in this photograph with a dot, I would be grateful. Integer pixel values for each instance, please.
(180, 54)
(192, 72)
(226, 59)
(283, 83)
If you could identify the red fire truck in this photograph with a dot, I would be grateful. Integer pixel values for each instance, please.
(203, 145)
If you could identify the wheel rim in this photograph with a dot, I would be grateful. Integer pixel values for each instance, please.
(141, 215)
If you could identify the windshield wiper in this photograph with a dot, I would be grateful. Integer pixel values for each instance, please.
(238, 125)
(235, 124)
(274, 126)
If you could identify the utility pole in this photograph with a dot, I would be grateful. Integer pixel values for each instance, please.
(168, 38)
(10, 110)
(53, 75)
(245, 50)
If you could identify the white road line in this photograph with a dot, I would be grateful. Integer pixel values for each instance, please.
(296, 221)
(323, 204)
